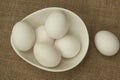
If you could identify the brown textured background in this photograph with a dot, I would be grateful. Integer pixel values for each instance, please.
(97, 15)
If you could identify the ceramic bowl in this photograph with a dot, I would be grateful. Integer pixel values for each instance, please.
(77, 28)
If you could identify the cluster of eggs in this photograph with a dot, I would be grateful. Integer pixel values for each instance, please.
(50, 41)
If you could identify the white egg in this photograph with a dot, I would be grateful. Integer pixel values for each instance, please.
(107, 43)
(46, 54)
(68, 45)
(23, 36)
(42, 36)
(56, 25)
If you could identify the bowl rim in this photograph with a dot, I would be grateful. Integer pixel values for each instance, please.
(44, 68)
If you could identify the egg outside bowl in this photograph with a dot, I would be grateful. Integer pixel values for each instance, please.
(77, 28)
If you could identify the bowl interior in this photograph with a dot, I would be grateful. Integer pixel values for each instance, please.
(77, 28)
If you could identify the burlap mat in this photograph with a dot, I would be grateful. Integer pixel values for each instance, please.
(97, 15)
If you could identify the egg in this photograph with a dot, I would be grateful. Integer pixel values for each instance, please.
(68, 45)
(23, 36)
(46, 54)
(107, 43)
(42, 36)
(56, 25)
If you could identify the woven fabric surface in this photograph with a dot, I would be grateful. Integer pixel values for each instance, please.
(97, 15)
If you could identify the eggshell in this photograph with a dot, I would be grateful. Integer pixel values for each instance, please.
(107, 43)
(23, 36)
(56, 25)
(42, 36)
(46, 54)
(68, 45)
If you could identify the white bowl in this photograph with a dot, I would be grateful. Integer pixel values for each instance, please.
(77, 27)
